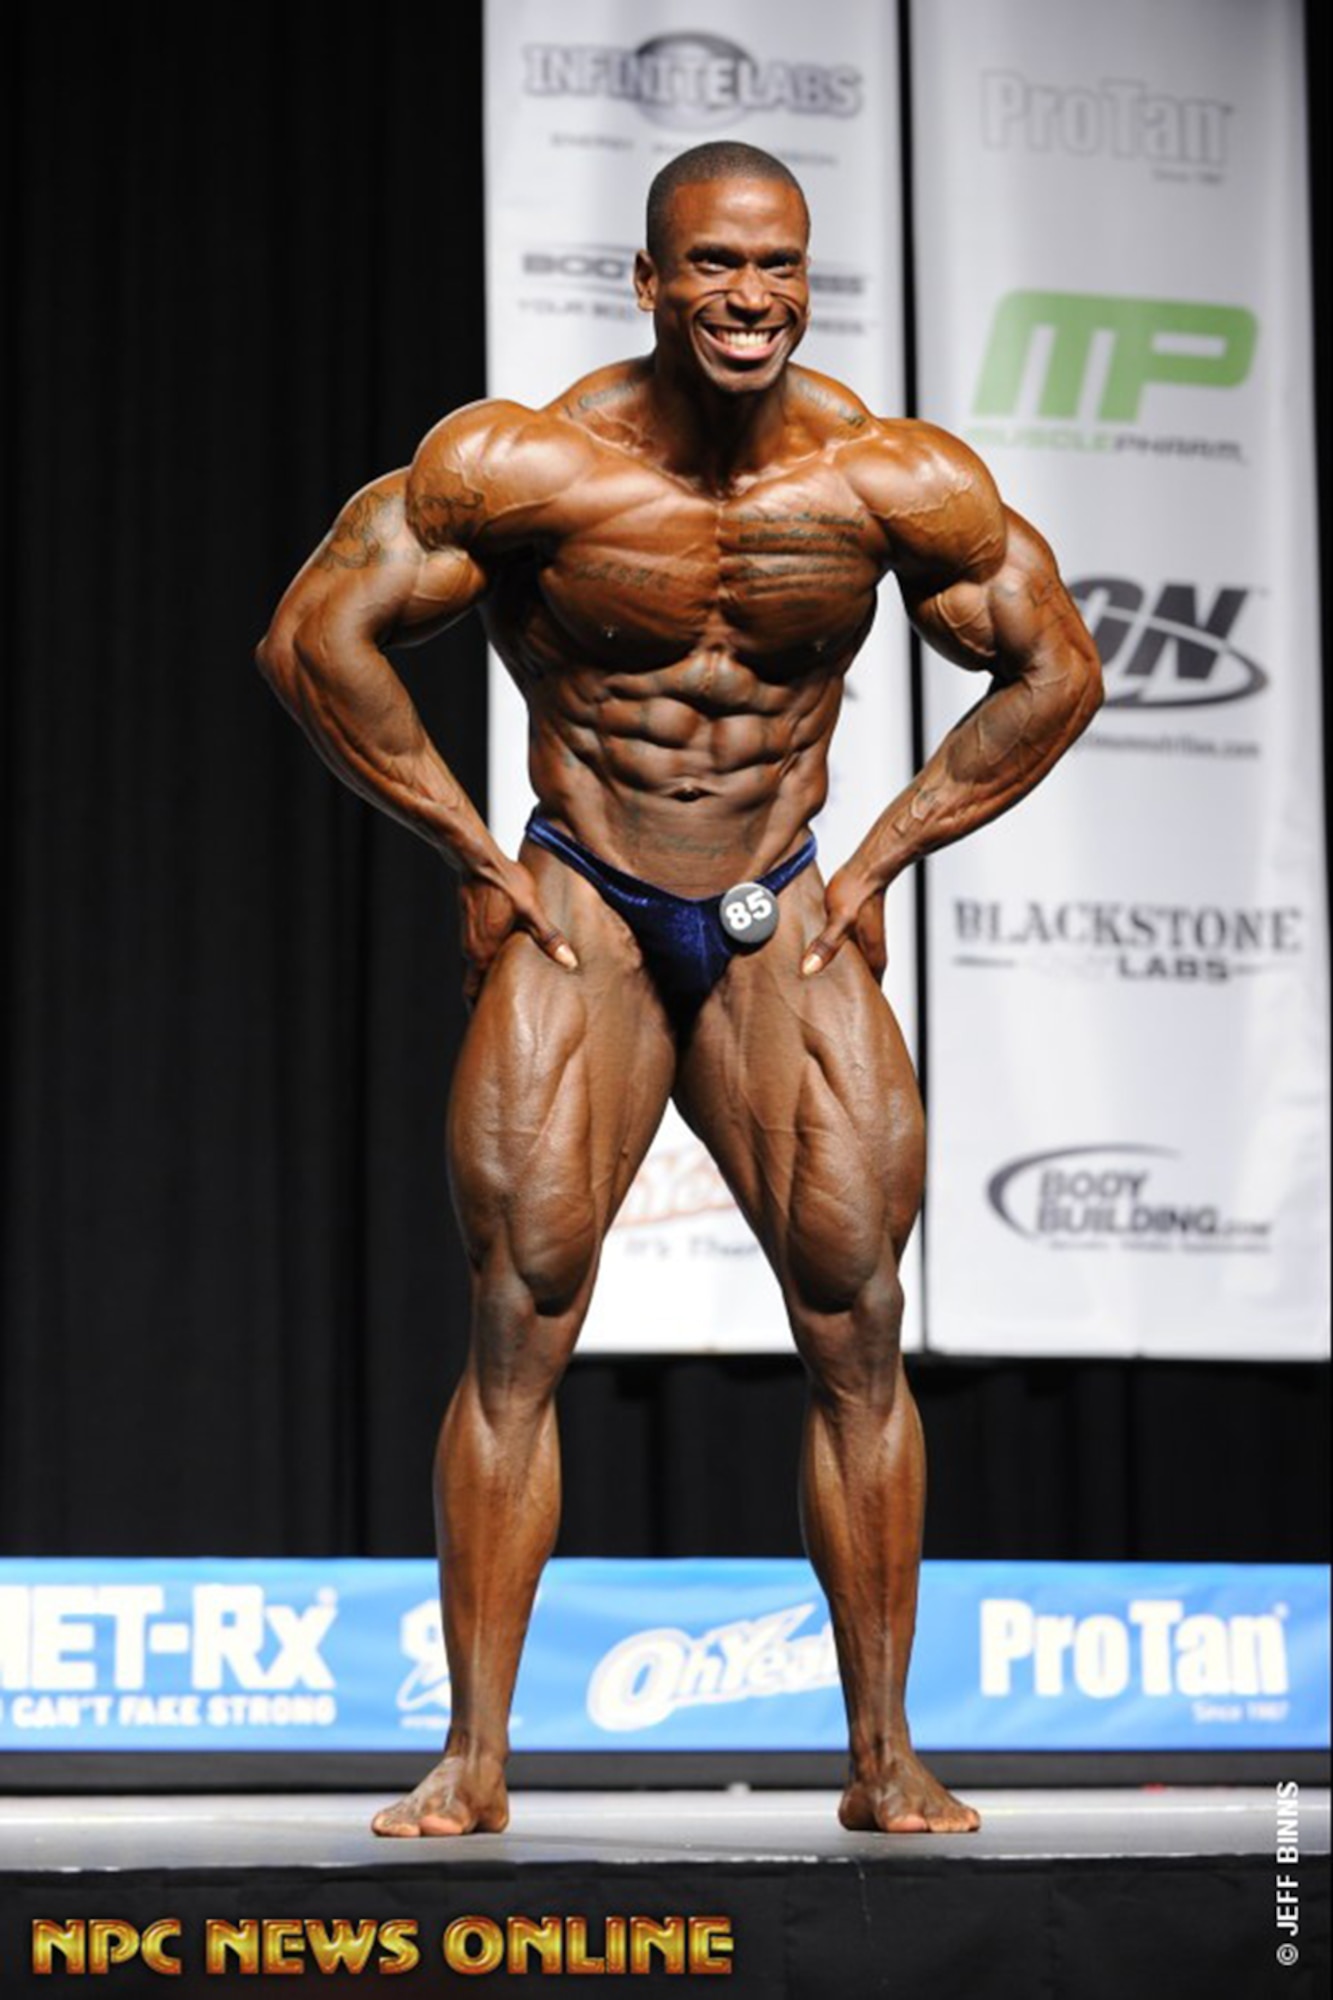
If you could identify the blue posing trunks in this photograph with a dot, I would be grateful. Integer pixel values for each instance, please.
(682, 939)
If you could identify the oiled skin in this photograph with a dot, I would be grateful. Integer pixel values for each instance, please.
(678, 561)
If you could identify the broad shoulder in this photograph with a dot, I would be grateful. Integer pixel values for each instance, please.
(934, 498)
(487, 461)
(606, 403)
(827, 409)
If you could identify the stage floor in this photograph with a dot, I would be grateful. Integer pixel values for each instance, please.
(609, 1829)
(1070, 1895)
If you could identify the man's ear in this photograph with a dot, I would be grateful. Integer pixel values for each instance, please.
(645, 282)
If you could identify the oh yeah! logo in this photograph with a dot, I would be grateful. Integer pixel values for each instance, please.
(650, 1675)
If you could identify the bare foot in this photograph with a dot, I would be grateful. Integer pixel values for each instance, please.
(904, 1798)
(459, 1796)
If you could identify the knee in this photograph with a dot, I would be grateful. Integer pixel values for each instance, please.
(551, 1251)
(532, 1233)
(532, 1279)
(852, 1350)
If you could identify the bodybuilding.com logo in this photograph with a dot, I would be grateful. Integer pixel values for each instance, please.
(1171, 651)
(1200, 944)
(1119, 119)
(691, 82)
(1153, 1650)
(650, 1675)
(1073, 361)
(1109, 1196)
(608, 269)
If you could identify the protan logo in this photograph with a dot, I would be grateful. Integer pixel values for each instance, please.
(1155, 1649)
(1117, 118)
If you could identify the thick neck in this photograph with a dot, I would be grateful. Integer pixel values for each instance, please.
(703, 433)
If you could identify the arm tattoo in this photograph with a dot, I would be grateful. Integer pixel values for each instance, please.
(361, 533)
(446, 515)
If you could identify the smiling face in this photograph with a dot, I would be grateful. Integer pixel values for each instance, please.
(729, 294)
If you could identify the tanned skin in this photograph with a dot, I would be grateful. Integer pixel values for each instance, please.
(678, 561)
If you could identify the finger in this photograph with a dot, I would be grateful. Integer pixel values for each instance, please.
(552, 941)
(824, 949)
(870, 935)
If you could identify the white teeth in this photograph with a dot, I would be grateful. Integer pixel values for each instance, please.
(743, 336)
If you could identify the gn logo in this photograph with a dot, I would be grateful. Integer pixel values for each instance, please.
(1170, 650)
(1149, 340)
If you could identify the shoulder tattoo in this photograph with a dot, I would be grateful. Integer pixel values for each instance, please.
(447, 514)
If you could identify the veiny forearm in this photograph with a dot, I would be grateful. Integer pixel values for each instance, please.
(989, 760)
(360, 718)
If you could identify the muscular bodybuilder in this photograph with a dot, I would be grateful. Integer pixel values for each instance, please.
(678, 560)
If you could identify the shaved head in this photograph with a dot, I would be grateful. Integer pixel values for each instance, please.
(723, 159)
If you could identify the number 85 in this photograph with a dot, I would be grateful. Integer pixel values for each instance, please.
(756, 906)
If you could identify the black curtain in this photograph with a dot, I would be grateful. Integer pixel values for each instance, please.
(237, 282)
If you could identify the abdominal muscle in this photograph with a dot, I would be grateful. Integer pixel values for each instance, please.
(693, 776)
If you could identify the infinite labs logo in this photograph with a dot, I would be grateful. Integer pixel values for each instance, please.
(1110, 1196)
(1078, 360)
(692, 82)
(1121, 119)
(1187, 944)
(1172, 652)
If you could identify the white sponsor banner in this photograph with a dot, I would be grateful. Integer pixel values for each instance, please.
(1128, 975)
(585, 102)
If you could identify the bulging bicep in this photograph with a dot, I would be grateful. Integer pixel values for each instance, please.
(994, 611)
(448, 583)
(371, 580)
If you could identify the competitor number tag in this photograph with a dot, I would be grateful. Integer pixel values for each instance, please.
(749, 914)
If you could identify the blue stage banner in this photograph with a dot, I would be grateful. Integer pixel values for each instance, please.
(701, 1655)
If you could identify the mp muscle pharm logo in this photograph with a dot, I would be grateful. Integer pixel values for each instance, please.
(1075, 370)
(692, 81)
